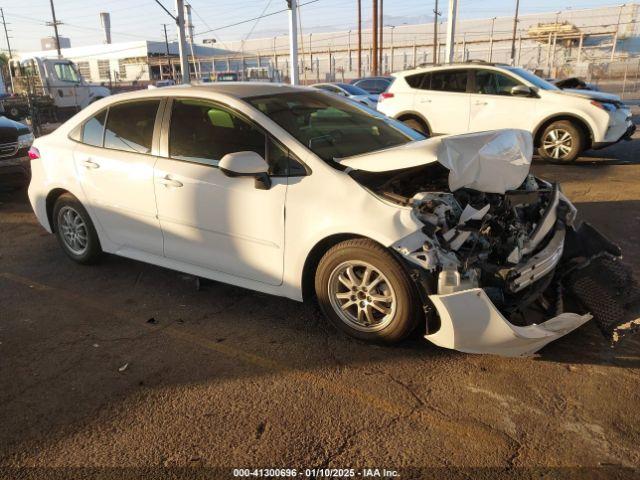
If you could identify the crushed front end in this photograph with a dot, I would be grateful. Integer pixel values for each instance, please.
(502, 266)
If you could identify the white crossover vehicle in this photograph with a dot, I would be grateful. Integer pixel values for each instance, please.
(474, 97)
(299, 193)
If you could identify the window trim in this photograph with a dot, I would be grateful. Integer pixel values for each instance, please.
(156, 124)
(163, 142)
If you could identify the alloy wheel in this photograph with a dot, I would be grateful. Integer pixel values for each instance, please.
(73, 229)
(558, 143)
(362, 296)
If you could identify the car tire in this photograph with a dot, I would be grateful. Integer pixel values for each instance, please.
(417, 125)
(75, 231)
(561, 141)
(379, 306)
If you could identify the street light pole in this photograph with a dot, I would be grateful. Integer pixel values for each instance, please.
(451, 30)
(374, 45)
(359, 39)
(513, 36)
(293, 42)
(435, 33)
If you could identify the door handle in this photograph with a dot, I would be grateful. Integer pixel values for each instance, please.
(425, 100)
(480, 102)
(167, 181)
(88, 163)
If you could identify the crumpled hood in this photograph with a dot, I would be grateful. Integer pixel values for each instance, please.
(592, 94)
(492, 162)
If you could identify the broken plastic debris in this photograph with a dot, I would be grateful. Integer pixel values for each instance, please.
(123, 367)
(470, 213)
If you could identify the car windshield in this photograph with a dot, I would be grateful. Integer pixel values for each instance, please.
(352, 89)
(331, 127)
(534, 79)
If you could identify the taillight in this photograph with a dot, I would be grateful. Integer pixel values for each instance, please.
(385, 95)
(34, 153)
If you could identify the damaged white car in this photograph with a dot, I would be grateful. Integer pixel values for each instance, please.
(297, 193)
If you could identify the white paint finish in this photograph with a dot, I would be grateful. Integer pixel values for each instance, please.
(120, 191)
(221, 223)
(471, 323)
(450, 113)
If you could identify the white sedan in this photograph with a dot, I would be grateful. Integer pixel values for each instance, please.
(298, 193)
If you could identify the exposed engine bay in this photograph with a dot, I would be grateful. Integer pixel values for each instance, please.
(519, 249)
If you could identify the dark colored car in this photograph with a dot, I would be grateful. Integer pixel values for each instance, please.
(374, 85)
(15, 140)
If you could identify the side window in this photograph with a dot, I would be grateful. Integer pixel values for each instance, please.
(489, 82)
(66, 73)
(366, 84)
(449, 81)
(130, 126)
(204, 133)
(414, 81)
(281, 161)
(93, 130)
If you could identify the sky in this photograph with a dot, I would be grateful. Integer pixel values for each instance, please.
(143, 19)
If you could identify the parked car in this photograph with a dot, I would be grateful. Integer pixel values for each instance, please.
(373, 85)
(351, 92)
(15, 140)
(297, 193)
(476, 97)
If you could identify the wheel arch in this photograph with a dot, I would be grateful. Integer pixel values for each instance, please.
(570, 117)
(313, 259)
(413, 115)
(50, 201)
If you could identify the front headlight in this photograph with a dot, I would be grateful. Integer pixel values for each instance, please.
(25, 140)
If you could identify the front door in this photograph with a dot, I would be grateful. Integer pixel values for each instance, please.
(209, 219)
(115, 168)
(65, 85)
(493, 107)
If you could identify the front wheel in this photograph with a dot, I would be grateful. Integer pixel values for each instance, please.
(75, 231)
(561, 141)
(365, 292)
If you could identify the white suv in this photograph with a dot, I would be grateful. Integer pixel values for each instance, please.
(474, 97)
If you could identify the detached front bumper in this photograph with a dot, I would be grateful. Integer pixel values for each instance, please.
(583, 267)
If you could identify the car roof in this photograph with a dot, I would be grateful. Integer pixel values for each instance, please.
(239, 90)
(452, 66)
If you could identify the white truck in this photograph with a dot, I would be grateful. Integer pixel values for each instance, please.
(52, 86)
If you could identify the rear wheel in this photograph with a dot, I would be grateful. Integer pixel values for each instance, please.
(365, 292)
(417, 125)
(561, 141)
(75, 231)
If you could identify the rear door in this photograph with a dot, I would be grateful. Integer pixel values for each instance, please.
(492, 106)
(442, 98)
(114, 162)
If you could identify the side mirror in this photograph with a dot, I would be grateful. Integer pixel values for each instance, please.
(521, 91)
(246, 164)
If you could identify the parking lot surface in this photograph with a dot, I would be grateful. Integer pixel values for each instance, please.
(125, 366)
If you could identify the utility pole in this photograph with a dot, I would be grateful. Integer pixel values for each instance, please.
(493, 22)
(615, 36)
(293, 41)
(513, 36)
(380, 44)
(6, 34)
(374, 46)
(184, 61)
(55, 28)
(166, 45)
(451, 30)
(436, 13)
(359, 39)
